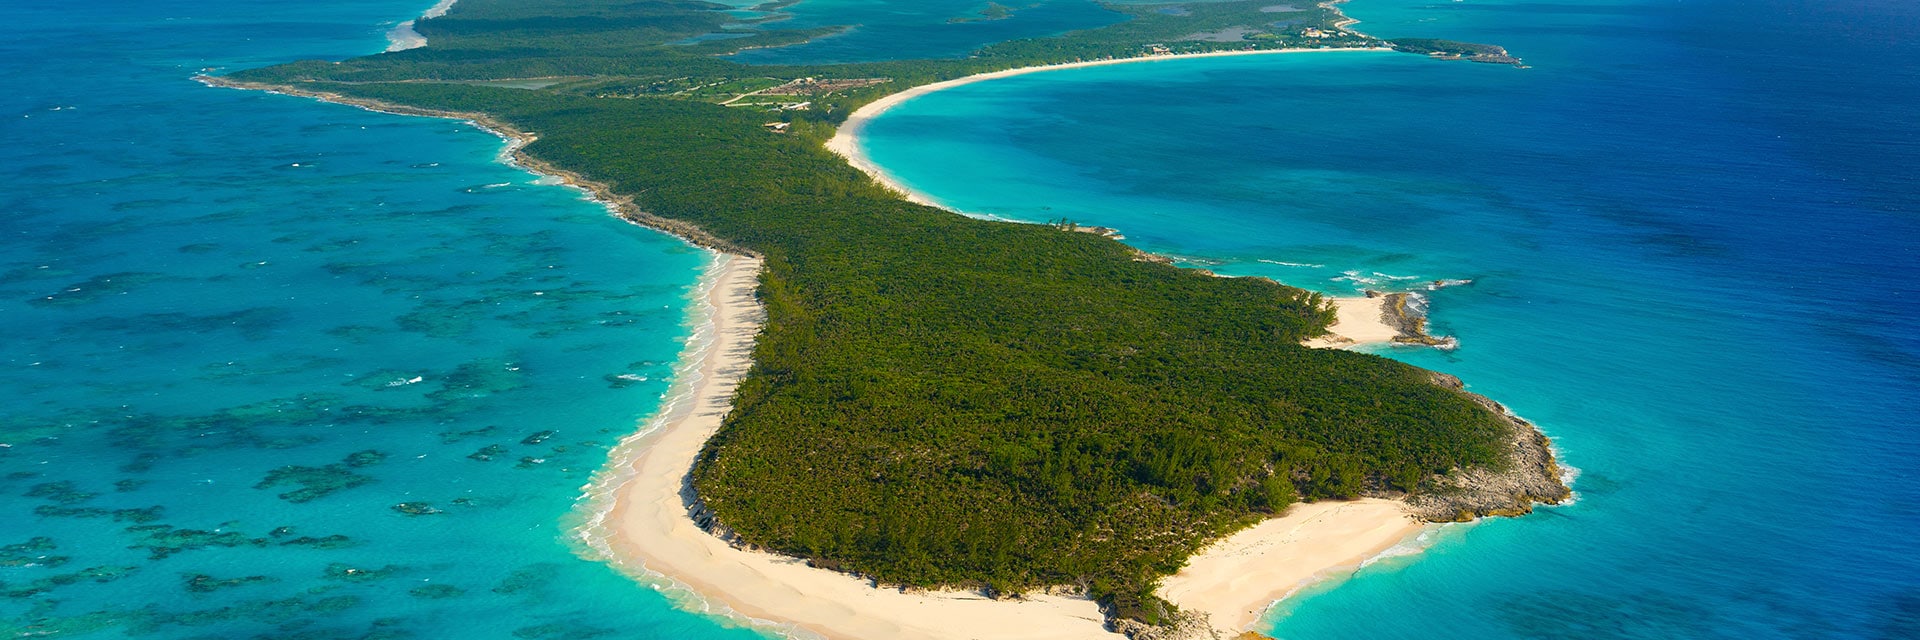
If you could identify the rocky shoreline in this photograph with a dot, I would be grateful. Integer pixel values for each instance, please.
(1532, 477)
(1403, 312)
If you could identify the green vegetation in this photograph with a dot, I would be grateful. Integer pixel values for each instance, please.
(1455, 50)
(940, 400)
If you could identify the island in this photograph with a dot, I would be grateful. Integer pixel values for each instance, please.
(1450, 50)
(927, 420)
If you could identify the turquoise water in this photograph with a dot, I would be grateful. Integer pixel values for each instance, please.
(244, 330)
(1690, 232)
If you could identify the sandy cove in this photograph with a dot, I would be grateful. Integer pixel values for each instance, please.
(1357, 321)
(1237, 578)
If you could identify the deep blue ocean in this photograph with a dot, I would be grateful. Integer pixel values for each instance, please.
(1693, 235)
(281, 369)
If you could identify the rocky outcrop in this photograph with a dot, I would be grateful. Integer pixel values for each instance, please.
(1407, 314)
(1530, 477)
(1186, 625)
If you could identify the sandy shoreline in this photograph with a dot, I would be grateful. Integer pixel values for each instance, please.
(402, 37)
(1358, 320)
(1236, 579)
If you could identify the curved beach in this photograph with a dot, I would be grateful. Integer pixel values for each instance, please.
(1237, 578)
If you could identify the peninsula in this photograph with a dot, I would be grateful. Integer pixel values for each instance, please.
(1008, 425)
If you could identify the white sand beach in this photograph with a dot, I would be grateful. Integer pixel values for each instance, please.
(1239, 577)
(1358, 320)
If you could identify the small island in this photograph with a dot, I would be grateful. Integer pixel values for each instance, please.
(968, 411)
(1450, 50)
